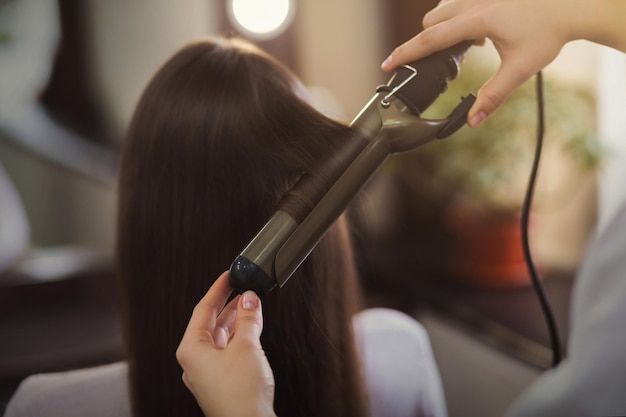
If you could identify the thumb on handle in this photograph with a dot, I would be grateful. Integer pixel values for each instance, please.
(249, 320)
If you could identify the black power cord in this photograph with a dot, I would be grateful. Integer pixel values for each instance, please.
(534, 274)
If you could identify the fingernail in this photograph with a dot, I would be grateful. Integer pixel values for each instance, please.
(477, 119)
(386, 63)
(250, 300)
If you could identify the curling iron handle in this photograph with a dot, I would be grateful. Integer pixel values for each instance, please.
(431, 79)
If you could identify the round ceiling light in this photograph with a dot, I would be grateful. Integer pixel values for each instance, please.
(261, 19)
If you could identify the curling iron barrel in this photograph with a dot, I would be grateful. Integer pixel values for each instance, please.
(391, 123)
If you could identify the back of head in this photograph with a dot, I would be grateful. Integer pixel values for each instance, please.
(219, 135)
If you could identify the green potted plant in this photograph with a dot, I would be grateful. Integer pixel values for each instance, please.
(478, 176)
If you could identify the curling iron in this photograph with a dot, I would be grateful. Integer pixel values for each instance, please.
(391, 123)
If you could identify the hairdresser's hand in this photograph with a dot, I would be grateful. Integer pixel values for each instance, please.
(224, 365)
(528, 35)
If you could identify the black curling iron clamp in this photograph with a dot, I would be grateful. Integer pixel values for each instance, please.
(391, 123)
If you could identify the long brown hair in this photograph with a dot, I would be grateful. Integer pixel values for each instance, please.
(217, 138)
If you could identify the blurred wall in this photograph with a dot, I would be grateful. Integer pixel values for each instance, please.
(567, 223)
(612, 102)
(62, 208)
(127, 41)
(341, 45)
(130, 40)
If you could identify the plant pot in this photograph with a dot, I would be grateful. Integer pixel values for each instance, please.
(488, 249)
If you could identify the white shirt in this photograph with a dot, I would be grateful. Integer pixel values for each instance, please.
(591, 382)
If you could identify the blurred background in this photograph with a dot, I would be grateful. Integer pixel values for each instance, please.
(71, 73)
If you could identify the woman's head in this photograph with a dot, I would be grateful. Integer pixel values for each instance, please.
(219, 135)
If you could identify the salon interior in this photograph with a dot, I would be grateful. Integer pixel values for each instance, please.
(71, 73)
